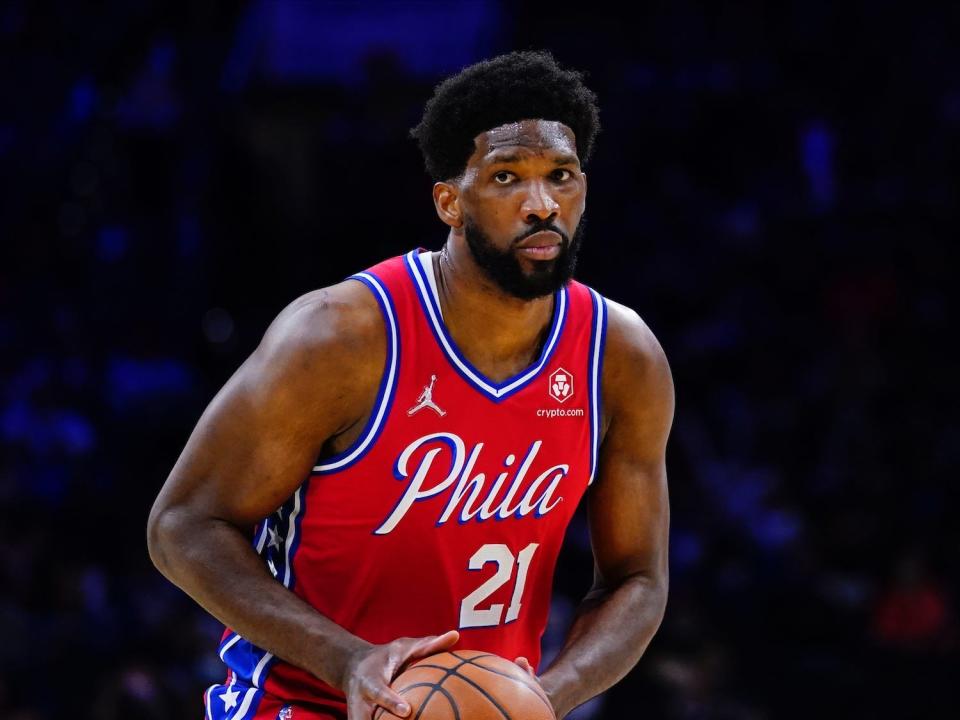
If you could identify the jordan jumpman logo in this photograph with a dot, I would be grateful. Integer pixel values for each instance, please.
(426, 400)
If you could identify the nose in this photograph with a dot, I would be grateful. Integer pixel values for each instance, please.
(539, 203)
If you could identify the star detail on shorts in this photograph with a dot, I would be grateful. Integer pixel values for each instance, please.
(229, 698)
(275, 538)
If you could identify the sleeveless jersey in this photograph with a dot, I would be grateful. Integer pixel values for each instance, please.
(449, 510)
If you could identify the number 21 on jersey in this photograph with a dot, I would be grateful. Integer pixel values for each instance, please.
(470, 614)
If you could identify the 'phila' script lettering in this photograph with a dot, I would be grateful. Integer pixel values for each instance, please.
(439, 466)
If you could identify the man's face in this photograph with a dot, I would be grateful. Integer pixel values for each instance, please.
(542, 277)
(522, 200)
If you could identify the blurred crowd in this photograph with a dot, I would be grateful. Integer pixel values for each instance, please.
(774, 191)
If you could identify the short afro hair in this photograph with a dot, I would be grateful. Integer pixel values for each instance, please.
(516, 86)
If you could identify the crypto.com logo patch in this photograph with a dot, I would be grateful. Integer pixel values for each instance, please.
(561, 385)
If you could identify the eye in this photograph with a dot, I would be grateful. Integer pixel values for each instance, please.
(558, 174)
(502, 177)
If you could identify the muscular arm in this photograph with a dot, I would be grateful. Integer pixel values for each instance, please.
(629, 519)
(309, 385)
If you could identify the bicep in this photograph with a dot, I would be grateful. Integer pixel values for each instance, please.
(259, 437)
(628, 512)
(247, 451)
(628, 506)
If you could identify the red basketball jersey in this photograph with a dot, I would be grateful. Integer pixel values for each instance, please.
(450, 509)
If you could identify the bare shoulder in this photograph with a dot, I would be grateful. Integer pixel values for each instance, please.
(313, 375)
(637, 382)
(633, 353)
(326, 351)
(342, 317)
(631, 345)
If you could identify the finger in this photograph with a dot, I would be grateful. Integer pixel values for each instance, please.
(525, 664)
(389, 699)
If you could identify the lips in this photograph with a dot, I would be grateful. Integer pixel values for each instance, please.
(544, 245)
(542, 239)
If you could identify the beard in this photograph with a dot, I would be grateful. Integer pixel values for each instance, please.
(506, 271)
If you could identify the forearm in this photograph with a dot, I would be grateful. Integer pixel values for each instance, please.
(609, 635)
(214, 563)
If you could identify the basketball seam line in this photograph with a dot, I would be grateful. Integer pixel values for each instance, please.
(535, 690)
(433, 687)
(437, 686)
(479, 688)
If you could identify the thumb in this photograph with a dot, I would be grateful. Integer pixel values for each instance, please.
(431, 645)
(424, 647)
(440, 642)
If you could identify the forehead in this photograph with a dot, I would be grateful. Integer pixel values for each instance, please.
(534, 136)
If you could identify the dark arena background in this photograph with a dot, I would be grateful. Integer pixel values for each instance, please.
(774, 190)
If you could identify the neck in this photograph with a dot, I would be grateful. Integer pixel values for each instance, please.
(500, 334)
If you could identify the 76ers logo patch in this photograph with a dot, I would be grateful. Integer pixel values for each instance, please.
(561, 385)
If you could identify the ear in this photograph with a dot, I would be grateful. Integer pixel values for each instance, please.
(446, 199)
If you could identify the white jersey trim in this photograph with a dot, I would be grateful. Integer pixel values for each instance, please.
(497, 391)
(598, 337)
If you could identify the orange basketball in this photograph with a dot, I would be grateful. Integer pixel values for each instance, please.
(469, 685)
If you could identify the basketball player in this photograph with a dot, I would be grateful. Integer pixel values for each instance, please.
(391, 472)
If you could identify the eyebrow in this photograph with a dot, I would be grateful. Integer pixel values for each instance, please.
(515, 157)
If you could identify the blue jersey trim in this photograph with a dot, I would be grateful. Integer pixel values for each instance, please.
(598, 339)
(245, 660)
(295, 515)
(246, 702)
(388, 383)
(495, 391)
(250, 663)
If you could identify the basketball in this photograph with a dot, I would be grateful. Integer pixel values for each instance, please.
(469, 685)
